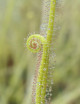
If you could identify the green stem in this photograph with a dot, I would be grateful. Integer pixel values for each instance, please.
(42, 75)
(42, 78)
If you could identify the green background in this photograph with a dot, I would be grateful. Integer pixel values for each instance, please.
(20, 18)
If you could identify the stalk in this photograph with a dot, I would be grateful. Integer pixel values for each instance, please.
(35, 43)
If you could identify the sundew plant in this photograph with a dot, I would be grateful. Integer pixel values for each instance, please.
(32, 74)
(40, 44)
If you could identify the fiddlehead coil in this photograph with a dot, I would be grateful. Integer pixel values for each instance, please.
(35, 43)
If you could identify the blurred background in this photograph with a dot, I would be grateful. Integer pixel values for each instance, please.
(18, 18)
